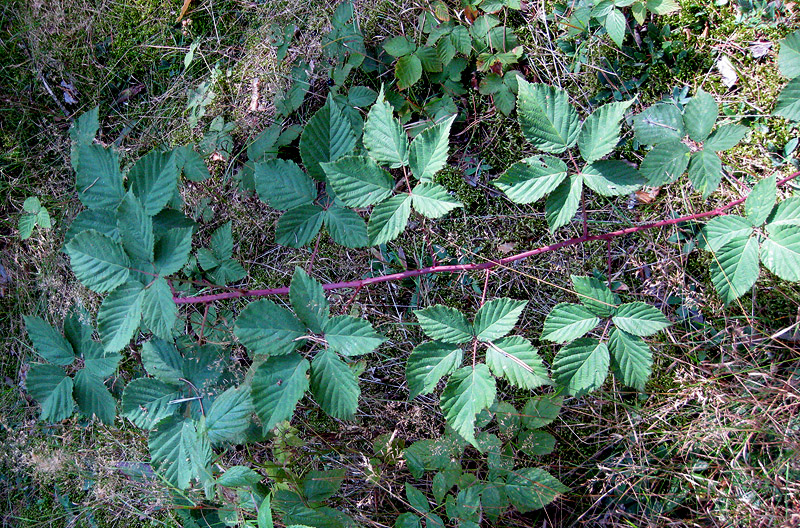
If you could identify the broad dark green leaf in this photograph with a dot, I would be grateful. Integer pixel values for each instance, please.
(297, 227)
(146, 401)
(345, 226)
(429, 59)
(98, 178)
(531, 489)
(98, 261)
(563, 202)
(786, 213)
(780, 253)
(469, 391)
(180, 451)
(135, 228)
(172, 250)
(191, 164)
(309, 301)
(52, 388)
(665, 163)
(541, 410)
(789, 55)
(788, 103)
(531, 179)
(640, 319)
(536, 443)
(614, 22)
(351, 336)
(153, 179)
(93, 397)
(497, 318)
(119, 315)
(268, 329)
(407, 70)
(358, 181)
(516, 360)
(319, 486)
(633, 357)
(162, 360)
(549, 122)
(327, 137)
(722, 229)
(725, 137)
(84, 129)
(159, 311)
(659, 123)
(444, 324)
(433, 200)
(600, 132)
(239, 477)
(48, 342)
(389, 219)
(278, 384)
(699, 115)
(283, 184)
(567, 321)
(101, 220)
(595, 295)
(229, 415)
(760, 202)
(612, 177)
(581, 366)
(428, 363)
(334, 385)
(734, 267)
(97, 361)
(428, 151)
(705, 171)
(399, 46)
(384, 137)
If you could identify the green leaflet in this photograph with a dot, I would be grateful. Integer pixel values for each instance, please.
(659, 123)
(159, 311)
(786, 213)
(97, 361)
(345, 227)
(665, 163)
(562, 204)
(640, 319)
(428, 363)
(48, 342)
(101, 220)
(722, 229)
(319, 486)
(734, 267)
(389, 219)
(171, 251)
(595, 295)
(699, 115)
(530, 489)
(725, 137)
(153, 179)
(614, 23)
(531, 179)
(632, 356)
(297, 227)
(788, 103)
(540, 411)
(433, 200)
(229, 415)
(469, 390)
(536, 443)
(326, 137)
(600, 132)
(705, 171)
(516, 360)
(52, 388)
(444, 324)
(283, 184)
(548, 120)
(98, 178)
(98, 261)
(789, 56)
(93, 397)
(334, 385)
(277, 386)
(567, 321)
(497, 318)
(146, 401)
(384, 137)
(309, 301)
(611, 177)
(162, 360)
(407, 70)
(581, 366)
(781, 253)
(119, 315)
(351, 336)
(188, 161)
(428, 151)
(760, 201)
(135, 228)
(239, 477)
(266, 328)
(358, 181)
(181, 452)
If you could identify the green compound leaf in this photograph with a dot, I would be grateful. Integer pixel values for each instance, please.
(180, 451)
(407, 70)
(239, 477)
(789, 56)
(427, 364)
(612, 177)
(93, 397)
(780, 253)
(444, 324)
(283, 184)
(26, 224)
(725, 137)
(540, 411)
(665, 163)
(567, 321)
(159, 311)
(297, 227)
(548, 121)
(146, 401)
(389, 219)
(581, 366)
(531, 489)
(172, 250)
(48, 342)
(705, 171)
(600, 132)
(52, 388)
(384, 137)
(659, 123)
(119, 315)
(278, 384)
(327, 137)
(469, 391)
(334, 385)
(428, 152)
(563, 202)
(497, 318)
(433, 200)
(734, 267)
(98, 178)
(760, 202)
(268, 329)
(358, 181)
(162, 360)
(351, 336)
(531, 179)
(229, 415)
(640, 319)
(722, 229)
(99, 262)
(135, 228)
(788, 103)
(516, 360)
(633, 357)
(699, 115)
(309, 301)
(786, 213)
(345, 227)
(97, 361)
(153, 179)
(595, 295)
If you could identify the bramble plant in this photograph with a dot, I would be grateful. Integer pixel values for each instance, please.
(134, 245)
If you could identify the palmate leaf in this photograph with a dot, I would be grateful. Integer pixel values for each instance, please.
(52, 388)
(345, 226)
(444, 324)
(567, 321)
(334, 385)
(734, 267)
(705, 171)
(98, 178)
(595, 295)
(153, 179)
(181, 452)
(146, 401)
(358, 181)
(433, 200)
(788, 103)
(327, 137)
(93, 397)
(611, 177)
(699, 115)
(99, 262)
(563, 202)
(722, 229)
(633, 357)
(159, 311)
(665, 163)
(516, 360)
(428, 152)
(309, 301)
(135, 228)
(351, 336)
(548, 121)
(581, 366)
(725, 137)
(229, 415)
(389, 219)
(283, 184)
(760, 202)
(48, 342)
(600, 132)
(789, 56)
(119, 315)
(268, 329)
(659, 123)
(640, 319)
(530, 489)
(497, 318)
(780, 253)
(172, 250)
(277, 386)
(297, 227)
(384, 137)
(531, 179)
(469, 391)
(428, 363)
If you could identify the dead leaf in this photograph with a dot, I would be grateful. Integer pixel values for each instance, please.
(759, 48)
(471, 13)
(506, 247)
(183, 10)
(647, 195)
(729, 76)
